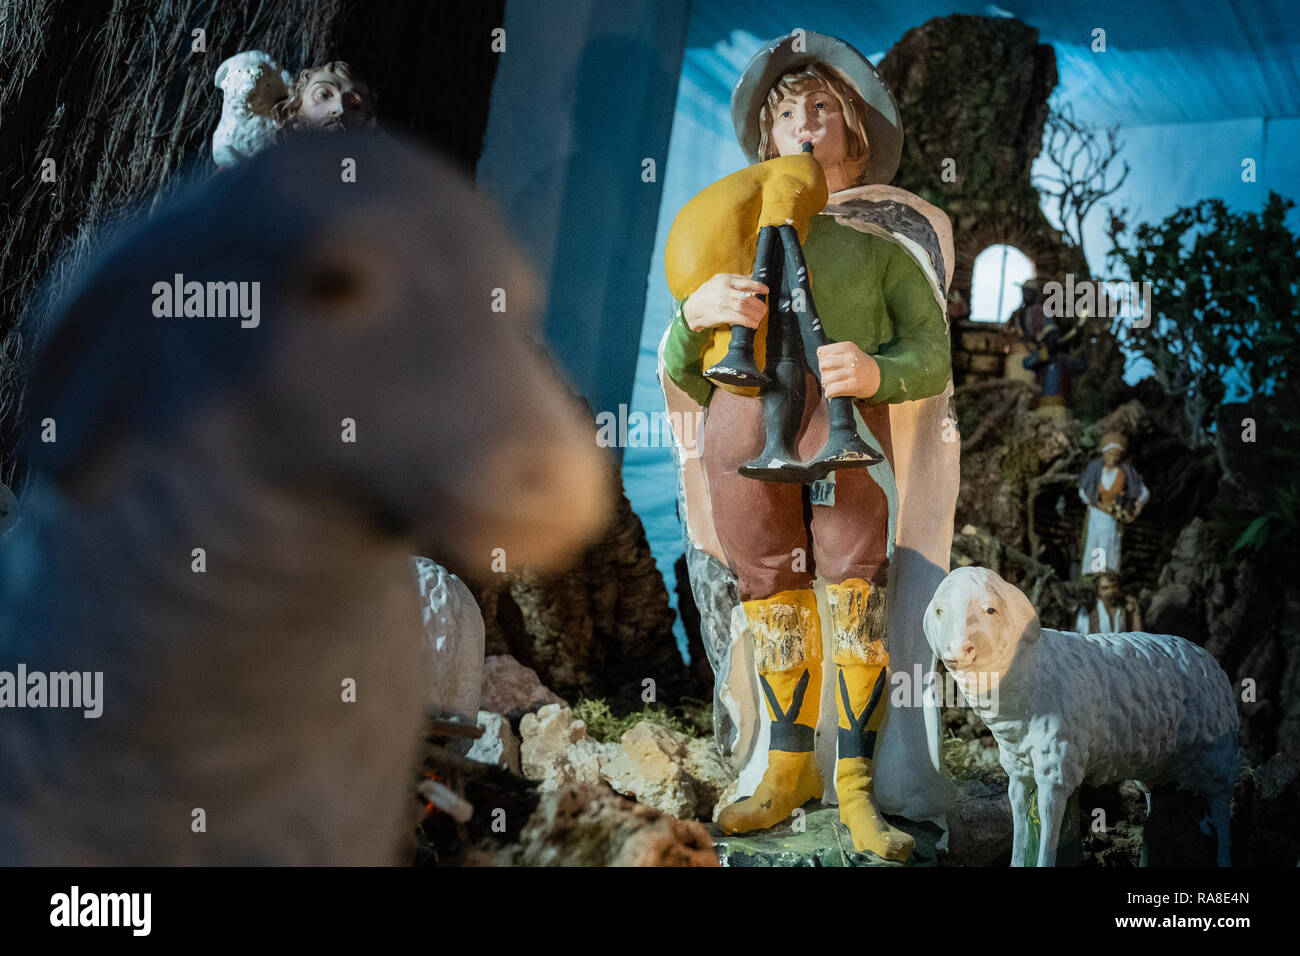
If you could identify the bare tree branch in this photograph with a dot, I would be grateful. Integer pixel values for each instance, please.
(1084, 169)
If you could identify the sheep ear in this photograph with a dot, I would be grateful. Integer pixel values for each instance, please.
(1024, 612)
(1018, 608)
(220, 78)
(926, 616)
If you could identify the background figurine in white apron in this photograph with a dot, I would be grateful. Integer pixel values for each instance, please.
(1115, 495)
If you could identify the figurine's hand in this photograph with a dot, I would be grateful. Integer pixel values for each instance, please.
(725, 299)
(847, 371)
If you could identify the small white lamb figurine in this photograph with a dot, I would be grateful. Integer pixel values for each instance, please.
(1068, 709)
(250, 83)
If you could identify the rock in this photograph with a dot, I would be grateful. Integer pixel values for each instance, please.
(1112, 821)
(1248, 622)
(1266, 834)
(726, 797)
(498, 746)
(592, 826)
(711, 775)
(979, 825)
(557, 751)
(649, 766)
(814, 838)
(668, 771)
(453, 639)
(1192, 573)
(599, 629)
(1005, 95)
(511, 689)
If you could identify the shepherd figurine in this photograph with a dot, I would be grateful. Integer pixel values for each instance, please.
(810, 309)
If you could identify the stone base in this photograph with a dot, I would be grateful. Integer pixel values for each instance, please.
(820, 840)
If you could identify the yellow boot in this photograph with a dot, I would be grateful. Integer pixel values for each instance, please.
(787, 643)
(862, 662)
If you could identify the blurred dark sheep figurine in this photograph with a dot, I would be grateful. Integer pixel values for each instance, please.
(262, 699)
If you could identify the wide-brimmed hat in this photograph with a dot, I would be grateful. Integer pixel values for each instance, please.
(778, 57)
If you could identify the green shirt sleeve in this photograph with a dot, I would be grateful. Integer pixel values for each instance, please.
(917, 362)
(684, 357)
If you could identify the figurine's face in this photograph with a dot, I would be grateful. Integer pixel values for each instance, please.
(814, 116)
(331, 101)
(1111, 456)
(1108, 591)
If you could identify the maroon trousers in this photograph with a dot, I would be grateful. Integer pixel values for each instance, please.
(762, 525)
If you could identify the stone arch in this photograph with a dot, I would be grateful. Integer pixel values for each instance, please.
(1004, 267)
(1045, 254)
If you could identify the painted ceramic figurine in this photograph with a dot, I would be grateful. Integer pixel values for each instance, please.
(328, 97)
(1112, 612)
(251, 84)
(855, 325)
(1045, 351)
(1152, 708)
(1115, 495)
(260, 100)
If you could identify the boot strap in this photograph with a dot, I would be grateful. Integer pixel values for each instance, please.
(785, 733)
(856, 740)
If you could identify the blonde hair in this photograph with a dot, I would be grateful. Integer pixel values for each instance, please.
(810, 77)
(289, 109)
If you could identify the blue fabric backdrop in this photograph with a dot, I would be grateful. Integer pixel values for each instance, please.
(1196, 88)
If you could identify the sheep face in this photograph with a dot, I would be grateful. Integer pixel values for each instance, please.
(976, 621)
(251, 79)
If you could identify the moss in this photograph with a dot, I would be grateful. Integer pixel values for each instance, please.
(1021, 461)
(970, 760)
(692, 718)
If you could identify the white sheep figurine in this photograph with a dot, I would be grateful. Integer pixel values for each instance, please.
(250, 83)
(1068, 709)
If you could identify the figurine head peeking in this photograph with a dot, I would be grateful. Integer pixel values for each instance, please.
(1031, 290)
(775, 104)
(816, 104)
(1108, 589)
(328, 97)
(1113, 447)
